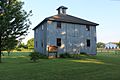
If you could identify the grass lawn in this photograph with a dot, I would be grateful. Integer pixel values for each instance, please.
(103, 66)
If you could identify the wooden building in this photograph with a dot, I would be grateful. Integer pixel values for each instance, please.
(68, 33)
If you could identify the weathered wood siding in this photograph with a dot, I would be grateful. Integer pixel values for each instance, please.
(71, 34)
(40, 38)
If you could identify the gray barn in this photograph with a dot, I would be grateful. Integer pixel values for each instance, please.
(69, 33)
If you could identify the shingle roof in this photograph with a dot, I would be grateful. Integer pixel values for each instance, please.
(68, 19)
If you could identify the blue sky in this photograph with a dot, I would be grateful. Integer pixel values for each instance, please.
(104, 12)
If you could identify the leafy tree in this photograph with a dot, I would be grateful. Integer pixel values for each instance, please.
(14, 22)
(30, 43)
(100, 45)
(118, 44)
(22, 45)
(9, 47)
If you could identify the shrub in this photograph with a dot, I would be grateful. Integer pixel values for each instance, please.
(42, 56)
(65, 55)
(34, 56)
(83, 53)
(79, 55)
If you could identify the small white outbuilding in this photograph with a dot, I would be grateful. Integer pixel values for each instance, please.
(111, 45)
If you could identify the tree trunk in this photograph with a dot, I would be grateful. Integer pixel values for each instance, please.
(8, 52)
(0, 55)
(0, 50)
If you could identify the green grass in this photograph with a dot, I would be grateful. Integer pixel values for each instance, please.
(103, 66)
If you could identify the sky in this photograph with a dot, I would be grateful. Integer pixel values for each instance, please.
(104, 12)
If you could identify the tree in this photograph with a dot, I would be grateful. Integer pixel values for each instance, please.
(30, 43)
(118, 44)
(14, 22)
(100, 45)
(8, 47)
(22, 45)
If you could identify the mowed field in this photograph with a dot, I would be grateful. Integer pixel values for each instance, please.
(103, 66)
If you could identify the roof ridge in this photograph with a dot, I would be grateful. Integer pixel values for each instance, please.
(82, 19)
(68, 19)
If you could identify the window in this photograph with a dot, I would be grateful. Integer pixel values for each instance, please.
(58, 25)
(58, 41)
(87, 27)
(88, 42)
(35, 33)
(95, 39)
(42, 27)
(36, 44)
(42, 44)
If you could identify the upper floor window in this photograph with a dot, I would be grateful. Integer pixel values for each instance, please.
(87, 27)
(58, 41)
(42, 27)
(58, 25)
(88, 42)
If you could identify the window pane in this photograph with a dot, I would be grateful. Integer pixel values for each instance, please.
(58, 24)
(42, 44)
(42, 27)
(87, 27)
(88, 43)
(36, 44)
(58, 41)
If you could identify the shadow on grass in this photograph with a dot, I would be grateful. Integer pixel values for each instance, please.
(102, 60)
(89, 61)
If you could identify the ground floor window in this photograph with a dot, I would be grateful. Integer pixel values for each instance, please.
(42, 44)
(88, 42)
(36, 44)
(58, 41)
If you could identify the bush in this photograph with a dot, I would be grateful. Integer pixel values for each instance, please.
(42, 56)
(65, 55)
(34, 56)
(83, 53)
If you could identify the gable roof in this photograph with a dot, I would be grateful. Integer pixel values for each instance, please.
(68, 19)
